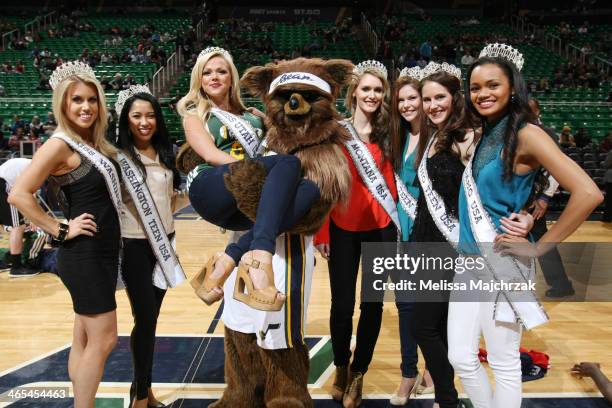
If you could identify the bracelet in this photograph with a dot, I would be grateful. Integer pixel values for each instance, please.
(62, 234)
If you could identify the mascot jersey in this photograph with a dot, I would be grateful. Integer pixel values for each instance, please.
(224, 141)
(277, 330)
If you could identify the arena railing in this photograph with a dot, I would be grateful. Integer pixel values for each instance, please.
(163, 77)
(39, 23)
(370, 33)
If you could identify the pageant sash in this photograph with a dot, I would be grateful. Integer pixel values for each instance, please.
(370, 175)
(522, 305)
(167, 261)
(103, 165)
(407, 201)
(109, 173)
(241, 129)
(448, 226)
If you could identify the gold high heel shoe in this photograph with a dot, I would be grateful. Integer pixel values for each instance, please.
(203, 284)
(266, 299)
(352, 396)
(400, 401)
(340, 382)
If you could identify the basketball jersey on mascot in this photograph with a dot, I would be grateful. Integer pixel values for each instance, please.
(294, 256)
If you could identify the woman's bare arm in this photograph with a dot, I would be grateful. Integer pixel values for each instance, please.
(201, 141)
(537, 148)
(49, 159)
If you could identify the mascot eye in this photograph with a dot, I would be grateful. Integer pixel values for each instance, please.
(310, 96)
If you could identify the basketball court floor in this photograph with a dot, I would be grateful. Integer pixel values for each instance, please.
(36, 320)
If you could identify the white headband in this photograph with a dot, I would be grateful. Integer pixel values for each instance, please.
(299, 78)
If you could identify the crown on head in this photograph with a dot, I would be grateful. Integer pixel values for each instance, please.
(219, 50)
(413, 72)
(370, 65)
(434, 67)
(126, 94)
(68, 69)
(503, 51)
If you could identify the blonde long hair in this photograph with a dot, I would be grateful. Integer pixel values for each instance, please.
(382, 117)
(196, 102)
(100, 143)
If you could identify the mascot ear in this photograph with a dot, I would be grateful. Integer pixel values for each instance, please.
(340, 70)
(257, 80)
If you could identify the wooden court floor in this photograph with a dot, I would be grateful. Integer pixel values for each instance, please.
(36, 318)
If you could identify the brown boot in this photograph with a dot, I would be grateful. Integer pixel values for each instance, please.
(340, 383)
(352, 397)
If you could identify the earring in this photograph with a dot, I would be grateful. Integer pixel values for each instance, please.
(512, 99)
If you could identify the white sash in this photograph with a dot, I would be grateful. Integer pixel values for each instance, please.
(517, 305)
(241, 129)
(108, 171)
(370, 175)
(406, 200)
(167, 263)
(448, 226)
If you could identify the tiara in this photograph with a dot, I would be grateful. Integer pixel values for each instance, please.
(68, 69)
(218, 50)
(503, 51)
(370, 65)
(126, 94)
(414, 73)
(434, 67)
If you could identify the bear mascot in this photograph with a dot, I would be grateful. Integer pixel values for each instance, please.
(266, 358)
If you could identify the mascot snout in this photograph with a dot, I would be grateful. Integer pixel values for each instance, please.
(296, 105)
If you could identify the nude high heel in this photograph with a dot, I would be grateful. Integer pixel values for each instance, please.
(266, 299)
(203, 284)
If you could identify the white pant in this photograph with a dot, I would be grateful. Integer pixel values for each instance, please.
(466, 320)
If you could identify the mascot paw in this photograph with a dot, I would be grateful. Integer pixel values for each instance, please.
(245, 181)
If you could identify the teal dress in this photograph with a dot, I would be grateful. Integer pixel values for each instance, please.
(499, 197)
(408, 175)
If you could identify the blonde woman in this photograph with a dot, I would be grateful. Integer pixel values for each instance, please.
(364, 219)
(286, 197)
(77, 157)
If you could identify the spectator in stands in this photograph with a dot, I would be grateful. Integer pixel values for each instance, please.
(582, 138)
(467, 58)
(105, 83)
(606, 145)
(43, 83)
(19, 67)
(36, 127)
(426, 50)
(174, 101)
(551, 262)
(2, 91)
(129, 81)
(17, 123)
(50, 124)
(544, 86)
(565, 138)
(117, 82)
(593, 370)
(7, 66)
(17, 137)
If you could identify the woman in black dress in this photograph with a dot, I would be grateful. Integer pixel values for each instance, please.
(89, 252)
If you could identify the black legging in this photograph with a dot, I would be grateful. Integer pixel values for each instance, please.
(285, 199)
(344, 257)
(145, 299)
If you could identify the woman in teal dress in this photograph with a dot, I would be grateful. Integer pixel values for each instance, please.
(406, 124)
(504, 169)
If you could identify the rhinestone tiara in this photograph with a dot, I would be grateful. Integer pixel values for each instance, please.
(503, 51)
(434, 67)
(370, 65)
(413, 72)
(219, 50)
(126, 94)
(68, 69)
